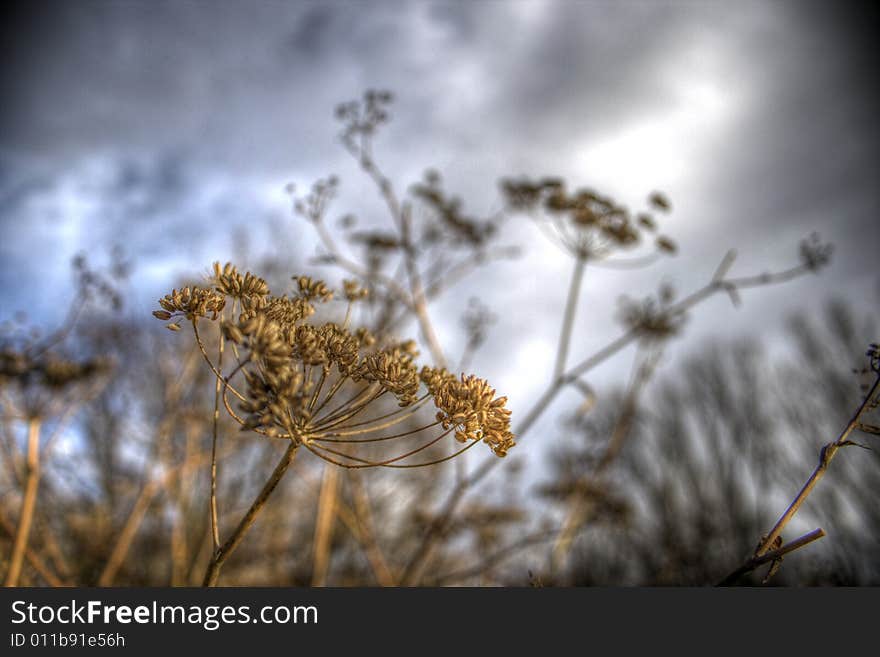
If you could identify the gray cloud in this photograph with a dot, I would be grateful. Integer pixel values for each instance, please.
(158, 123)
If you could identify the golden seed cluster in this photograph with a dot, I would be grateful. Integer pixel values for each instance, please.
(290, 376)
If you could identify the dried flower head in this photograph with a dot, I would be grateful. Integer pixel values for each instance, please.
(583, 222)
(191, 303)
(231, 283)
(652, 317)
(354, 291)
(324, 385)
(815, 253)
(311, 290)
(469, 405)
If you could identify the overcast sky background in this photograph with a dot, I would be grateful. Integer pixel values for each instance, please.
(171, 127)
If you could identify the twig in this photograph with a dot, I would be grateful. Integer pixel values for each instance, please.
(420, 304)
(826, 455)
(773, 555)
(496, 557)
(215, 422)
(579, 509)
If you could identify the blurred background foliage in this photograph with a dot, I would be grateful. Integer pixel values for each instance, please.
(671, 486)
(170, 130)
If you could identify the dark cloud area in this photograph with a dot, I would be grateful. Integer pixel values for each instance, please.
(167, 126)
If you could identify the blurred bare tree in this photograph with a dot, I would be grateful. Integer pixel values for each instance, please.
(715, 453)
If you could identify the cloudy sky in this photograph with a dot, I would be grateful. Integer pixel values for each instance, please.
(171, 128)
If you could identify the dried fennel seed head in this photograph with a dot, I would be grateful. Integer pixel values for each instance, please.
(324, 385)
(586, 224)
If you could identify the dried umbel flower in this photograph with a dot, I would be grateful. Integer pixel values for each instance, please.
(313, 290)
(652, 317)
(191, 303)
(231, 283)
(470, 407)
(314, 205)
(584, 223)
(354, 291)
(361, 118)
(451, 220)
(323, 386)
(42, 380)
(815, 254)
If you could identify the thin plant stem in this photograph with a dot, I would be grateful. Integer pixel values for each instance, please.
(218, 384)
(366, 534)
(324, 524)
(332, 437)
(220, 557)
(827, 454)
(771, 556)
(571, 303)
(420, 303)
(580, 510)
(34, 559)
(28, 503)
(389, 464)
(210, 364)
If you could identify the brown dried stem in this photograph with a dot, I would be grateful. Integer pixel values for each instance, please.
(34, 559)
(221, 555)
(365, 534)
(215, 423)
(28, 503)
(402, 218)
(324, 524)
(826, 455)
(771, 556)
(579, 509)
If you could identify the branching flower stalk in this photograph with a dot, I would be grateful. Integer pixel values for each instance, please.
(814, 255)
(323, 387)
